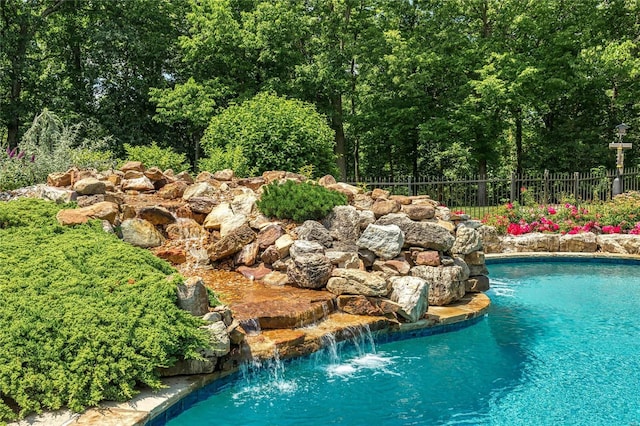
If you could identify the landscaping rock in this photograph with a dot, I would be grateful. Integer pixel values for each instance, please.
(270, 255)
(173, 190)
(184, 367)
(392, 267)
(475, 258)
(90, 186)
(224, 175)
(467, 240)
(534, 242)
(275, 278)
(269, 234)
(382, 207)
(218, 339)
(418, 212)
(141, 184)
(309, 271)
(619, 243)
(362, 305)
(232, 223)
(200, 189)
(133, 165)
(139, 232)
(378, 193)
(303, 248)
(254, 273)
(219, 214)
(385, 241)
(426, 258)
(343, 223)
(327, 180)
(283, 244)
(420, 234)
(193, 296)
(352, 281)
(202, 205)
(366, 218)
(411, 293)
(156, 215)
(311, 230)
(491, 242)
(343, 259)
(244, 204)
(247, 256)
(476, 284)
(231, 243)
(60, 179)
(583, 243)
(187, 230)
(445, 283)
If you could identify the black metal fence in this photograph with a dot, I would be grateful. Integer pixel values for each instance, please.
(479, 195)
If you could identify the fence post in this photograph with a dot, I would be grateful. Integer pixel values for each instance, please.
(514, 187)
(545, 186)
(576, 182)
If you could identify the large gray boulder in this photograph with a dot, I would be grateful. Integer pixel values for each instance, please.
(301, 248)
(310, 270)
(385, 241)
(218, 339)
(584, 242)
(467, 241)
(354, 281)
(445, 283)
(139, 232)
(534, 242)
(491, 242)
(311, 230)
(343, 223)
(619, 243)
(193, 296)
(420, 234)
(411, 293)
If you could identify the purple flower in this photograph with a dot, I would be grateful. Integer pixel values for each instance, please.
(33, 158)
(13, 152)
(21, 155)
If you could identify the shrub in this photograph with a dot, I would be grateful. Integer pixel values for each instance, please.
(274, 133)
(227, 158)
(153, 155)
(84, 317)
(299, 201)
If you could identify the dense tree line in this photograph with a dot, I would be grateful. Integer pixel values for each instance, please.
(422, 87)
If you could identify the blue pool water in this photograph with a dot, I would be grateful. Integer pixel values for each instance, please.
(560, 346)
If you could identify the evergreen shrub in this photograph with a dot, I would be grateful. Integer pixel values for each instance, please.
(84, 316)
(299, 201)
(156, 156)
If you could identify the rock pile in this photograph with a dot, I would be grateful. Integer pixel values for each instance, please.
(382, 254)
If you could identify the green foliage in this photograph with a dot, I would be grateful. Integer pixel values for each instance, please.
(85, 317)
(275, 134)
(299, 201)
(153, 155)
(230, 157)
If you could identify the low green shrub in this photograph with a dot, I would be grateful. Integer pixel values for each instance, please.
(230, 157)
(84, 316)
(299, 201)
(156, 156)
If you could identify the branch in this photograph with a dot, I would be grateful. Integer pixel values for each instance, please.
(53, 8)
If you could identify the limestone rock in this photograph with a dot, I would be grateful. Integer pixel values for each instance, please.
(269, 234)
(343, 259)
(385, 241)
(253, 183)
(301, 248)
(343, 223)
(200, 189)
(244, 204)
(193, 296)
(353, 281)
(426, 258)
(584, 242)
(217, 216)
(327, 180)
(104, 211)
(90, 186)
(232, 243)
(156, 215)
(218, 339)
(310, 271)
(202, 205)
(283, 244)
(172, 190)
(363, 202)
(224, 175)
(185, 367)
(445, 283)
(232, 223)
(411, 293)
(379, 193)
(349, 190)
(141, 184)
(60, 179)
(247, 256)
(465, 269)
(272, 175)
(392, 267)
(491, 242)
(478, 270)
(311, 230)
(475, 258)
(534, 242)
(187, 230)
(132, 174)
(419, 212)
(366, 218)
(133, 165)
(476, 284)
(467, 240)
(71, 217)
(420, 234)
(154, 174)
(362, 305)
(52, 193)
(382, 207)
(139, 232)
(619, 243)
(185, 177)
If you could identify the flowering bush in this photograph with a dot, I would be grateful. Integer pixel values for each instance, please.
(621, 215)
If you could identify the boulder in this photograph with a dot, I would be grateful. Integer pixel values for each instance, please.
(283, 244)
(60, 179)
(420, 234)
(218, 340)
(411, 293)
(379, 193)
(353, 281)
(224, 175)
(132, 174)
(418, 212)
(185, 177)
(52, 193)
(476, 284)
(619, 243)
(269, 234)
(232, 223)
(232, 243)
(343, 259)
(534, 242)
(133, 165)
(584, 242)
(403, 200)
(202, 205)
(141, 184)
(156, 215)
(193, 296)
(302, 248)
(187, 230)
(385, 241)
(426, 258)
(467, 240)
(247, 255)
(104, 211)
(173, 190)
(244, 204)
(253, 183)
(382, 207)
(363, 202)
(366, 218)
(154, 174)
(491, 242)
(311, 230)
(465, 269)
(343, 223)
(219, 214)
(392, 267)
(362, 305)
(270, 255)
(478, 270)
(199, 189)
(327, 180)
(139, 232)
(475, 258)
(309, 271)
(90, 186)
(187, 367)
(445, 283)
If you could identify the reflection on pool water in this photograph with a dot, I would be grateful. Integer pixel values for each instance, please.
(560, 346)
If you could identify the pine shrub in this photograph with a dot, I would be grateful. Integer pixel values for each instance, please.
(299, 201)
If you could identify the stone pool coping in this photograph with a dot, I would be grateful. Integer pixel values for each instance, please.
(154, 408)
(540, 256)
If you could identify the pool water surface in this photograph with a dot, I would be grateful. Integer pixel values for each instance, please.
(560, 346)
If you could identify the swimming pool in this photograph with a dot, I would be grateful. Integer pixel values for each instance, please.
(560, 345)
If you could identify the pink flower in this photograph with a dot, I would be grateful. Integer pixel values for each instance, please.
(551, 210)
(509, 206)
